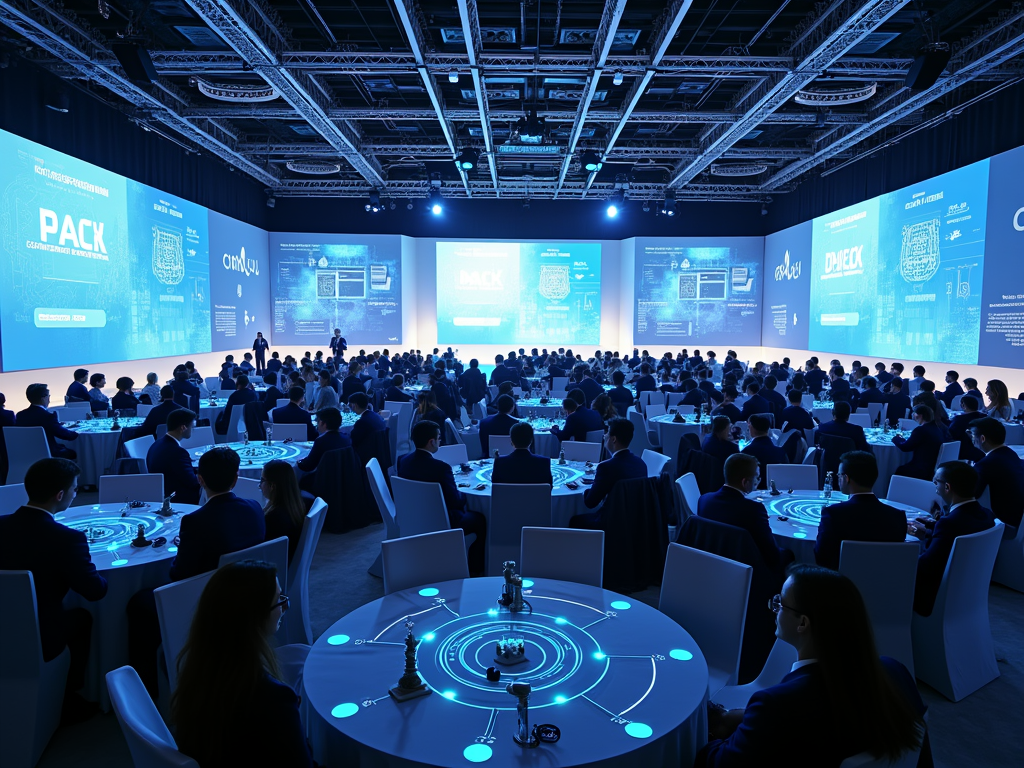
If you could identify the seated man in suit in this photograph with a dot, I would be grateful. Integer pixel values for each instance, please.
(160, 412)
(720, 443)
(272, 393)
(77, 391)
(775, 399)
(243, 394)
(587, 384)
(728, 406)
(707, 386)
(395, 393)
(186, 394)
(795, 416)
(924, 443)
(622, 465)
(755, 403)
(522, 466)
(620, 395)
(421, 466)
(897, 402)
(952, 389)
(1001, 471)
(918, 380)
(646, 382)
(871, 393)
(972, 389)
(882, 376)
(840, 426)
(578, 422)
(500, 423)
(960, 428)
(761, 446)
(352, 384)
(166, 457)
(294, 413)
(36, 415)
(860, 518)
(58, 557)
(328, 424)
(368, 422)
(955, 483)
(730, 505)
(841, 391)
(815, 378)
(694, 396)
(472, 385)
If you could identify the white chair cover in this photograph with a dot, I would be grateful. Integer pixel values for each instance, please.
(296, 625)
(139, 447)
(1009, 570)
(201, 436)
(25, 446)
(579, 451)
(641, 437)
(175, 605)
(948, 452)
(297, 432)
(860, 419)
(274, 551)
(500, 443)
(689, 494)
(564, 554)
(655, 462)
(799, 477)
(424, 559)
(419, 507)
(382, 495)
(452, 454)
(912, 491)
(149, 741)
(512, 507)
(114, 489)
(12, 497)
(249, 488)
(778, 664)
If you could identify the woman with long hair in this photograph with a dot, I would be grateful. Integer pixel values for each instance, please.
(605, 408)
(839, 700)
(284, 511)
(427, 410)
(125, 399)
(998, 400)
(230, 707)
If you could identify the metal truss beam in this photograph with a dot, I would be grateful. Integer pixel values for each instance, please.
(474, 48)
(828, 38)
(254, 32)
(991, 47)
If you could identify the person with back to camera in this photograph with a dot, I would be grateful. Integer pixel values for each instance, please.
(845, 698)
(284, 512)
(230, 707)
(522, 466)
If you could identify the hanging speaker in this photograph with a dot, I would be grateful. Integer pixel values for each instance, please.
(928, 66)
(135, 61)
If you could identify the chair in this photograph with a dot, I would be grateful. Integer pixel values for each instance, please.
(595, 436)
(875, 412)
(419, 507)
(673, 399)
(424, 559)
(715, 614)
(453, 454)
(860, 419)
(799, 477)
(954, 404)
(200, 436)
(114, 489)
(559, 383)
(25, 446)
(212, 384)
(143, 410)
(953, 649)
(149, 741)
(382, 495)
(912, 491)
(452, 435)
(907, 425)
(779, 662)
(12, 497)
(249, 488)
(296, 624)
(564, 554)
(689, 493)
(656, 462)
(885, 574)
(139, 447)
(1009, 569)
(297, 432)
(641, 436)
(33, 689)
(502, 444)
(231, 435)
(274, 551)
(654, 411)
(580, 451)
(175, 605)
(512, 507)
(807, 401)
(948, 452)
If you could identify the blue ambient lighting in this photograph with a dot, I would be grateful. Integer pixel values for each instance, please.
(429, 636)
(680, 655)
(338, 639)
(599, 656)
(477, 753)
(561, 620)
(429, 592)
(122, 561)
(172, 549)
(492, 612)
(345, 710)
(527, 583)
(639, 730)
(799, 535)
(560, 699)
(621, 605)
(450, 695)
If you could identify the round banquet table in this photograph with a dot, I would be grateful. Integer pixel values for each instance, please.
(532, 406)
(127, 569)
(254, 455)
(544, 443)
(670, 432)
(625, 684)
(96, 445)
(802, 510)
(210, 409)
(887, 455)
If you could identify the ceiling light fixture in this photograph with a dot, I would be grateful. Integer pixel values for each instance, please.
(453, 76)
(435, 202)
(617, 78)
(615, 203)
(374, 206)
(668, 207)
(591, 161)
(467, 159)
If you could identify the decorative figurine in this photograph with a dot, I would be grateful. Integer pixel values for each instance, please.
(510, 651)
(165, 510)
(140, 539)
(512, 590)
(827, 488)
(116, 425)
(410, 685)
(561, 457)
(774, 489)
(522, 736)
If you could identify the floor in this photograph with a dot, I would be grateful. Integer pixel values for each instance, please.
(983, 729)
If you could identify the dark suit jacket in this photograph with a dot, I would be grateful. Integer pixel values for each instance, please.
(577, 424)
(755, 404)
(522, 467)
(873, 395)
(708, 388)
(815, 381)
(977, 395)
(694, 397)
(420, 465)
(842, 391)
(646, 384)
(279, 523)
(861, 518)
(951, 391)
(720, 449)
(728, 505)
(293, 414)
(367, 423)
(498, 424)
(78, 392)
(590, 388)
(883, 378)
(931, 563)
(473, 386)
(847, 430)
(898, 405)
(223, 524)
(1002, 472)
(775, 399)
(796, 417)
(331, 440)
(274, 364)
(621, 398)
(270, 397)
(237, 398)
(730, 410)
(396, 395)
(58, 556)
(157, 417)
(350, 385)
(122, 402)
(37, 416)
(621, 466)
(166, 457)
(925, 442)
(766, 453)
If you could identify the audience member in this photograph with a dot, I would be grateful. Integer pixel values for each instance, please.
(622, 465)
(795, 416)
(328, 425)
(243, 394)
(151, 390)
(500, 423)
(294, 413)
(284, 513)
(521, 466)
(125, 399)
(100, 402)
(840, 426)
(762, 447)
(998, 401)
(728, 406)
(166, 457)
(755, 403)
(427, 410)
(367, 424)
(924, 443)
(37, 415)
(1000, 471)
(719, 442)
(77, 391)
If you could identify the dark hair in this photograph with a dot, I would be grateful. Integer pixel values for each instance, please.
(770, 381)
(423, 432)
(329, 417)
(760, 421)
(398, 380)
(95, 379)
(79, 373)
(579, 396)
(426, 402)
(242, 382)
(926, 413)
(270, 377)
(166, 392)
(869, 382)
(570, 405)
(838, 371)
(505, 404)
(719, 423)
(969, 403)
(927, 386)
(961, 477)
(618, 377)
(841, 411)
(991, 429)
(751, 384)
(124, 383)
(48, 477)
(919, 370)
(604, 406)
(739, 467)
(795, 396)
(295, 394)
(178, 418)
(280, 476)
(953, 375)
(999, 395)
(36, 393)
(359, 400)
(860, 467)
(971, 383)
(730, 391)
(521, 434)
(219, 468)
(216, 677)
(621, 430)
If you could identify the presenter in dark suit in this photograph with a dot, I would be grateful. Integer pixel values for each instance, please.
(578, 422)
(158, 415)
(421, 466)
(1001, 471)
(730, 505)
(924, 443)
(761, 446)
(395, 393)
(242, 395)
(500, 423)
(260, 347)
(368, 422)
(328, 424)
(521, 466)
(862, 517)
(166, 457)
(840, 426)
(338, 346)
(36, 415)
(955, 483)
(795, 416)
(473, 385)
(755, 403)
(849, 700)
(294, 413)
(720, 443)
(622, 465)
(58, 557)
(77, 391)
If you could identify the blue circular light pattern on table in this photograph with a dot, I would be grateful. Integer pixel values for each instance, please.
(600, 656)
(801, 511)
(620, 605)
(561, 474)
(560, 699)
(122, 561)
(429, 591)
(429, 636)
(527, 583)
(639, 730)
(680, 655)
(257, 454)
(799, 535)
(450, 695)
(110, 532)
(345, 710)
(338, 639)
(477, 753)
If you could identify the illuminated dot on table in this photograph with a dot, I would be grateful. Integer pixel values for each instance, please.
(492, 612)
(680, 655)
(429, 636)
(122, 561)
(527, 583)
(561, 620)
(639, 730)
(599, 656)
(621, 605)
(560, 699)
(477, 753)
(172, 549)
(799, 535)
(338, 639)
(450, 695)
(345, 710)
(430, 591)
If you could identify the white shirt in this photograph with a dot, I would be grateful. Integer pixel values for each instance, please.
(969, 501)
(802, 663)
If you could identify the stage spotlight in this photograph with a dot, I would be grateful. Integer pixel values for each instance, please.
(467, 159)
(374, 206)
(591, 161)
(435, 202)
(668, 207)
(453, 77)
(615, 203)
(617, 78)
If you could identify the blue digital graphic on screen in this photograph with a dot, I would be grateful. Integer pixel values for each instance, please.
(239, 283)
(699, 289)
(1002, 337)
(323, 282)
(901, 275)
(786, 302)
(519, 293)
(94, 268)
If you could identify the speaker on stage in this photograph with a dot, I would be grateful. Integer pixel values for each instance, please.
(135, 61)
(928, 66)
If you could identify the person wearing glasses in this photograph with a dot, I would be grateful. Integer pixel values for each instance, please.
(847, 700)
(230, 707)
(284, 511)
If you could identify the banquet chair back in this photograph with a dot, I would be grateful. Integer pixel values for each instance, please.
(954, 404)
(807, 401)
(595, 436)
(673, 399)
(249, 488)
(948, 452)
(715, 614)
(139, 447)
(689, 494)
(912, 491)
(799, 477)
(33, 689)
(908, 759)
(212, 384)
(885, 574)
(200, 436)
(779, 663)
(641, 437)
(25, 446)
(654, 411)
(833, 447)
(142, 410)
(237, 412)
(502, 444)
(296, 432)
(453, 436)
(862, 420)
(907, 425)
(875, 412)
(426, 558)
(175, 606)
(656, 462)
(953, 649)
(419, 507)
(452, 455)
(1009, 569)
(274, 551)
(512, 507)
(296, 624)
(400, 424)
(479, 411)
(792, 442)
(149, 741)
(565, 554)
(580, 451)
(382, 495)
(464, 416)
(114, 489)
(559, 383)
(14, 496)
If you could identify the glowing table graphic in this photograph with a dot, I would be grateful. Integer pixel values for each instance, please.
(624, 683)
(96, 445)
(254, 455)
(565, 501)
(532, 405)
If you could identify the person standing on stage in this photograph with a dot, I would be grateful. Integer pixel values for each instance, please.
(338, 345)
(260, 347)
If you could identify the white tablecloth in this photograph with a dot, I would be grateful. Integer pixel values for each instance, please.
(625, 684)
(96, 445)
(887, 455)
(670, 432)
